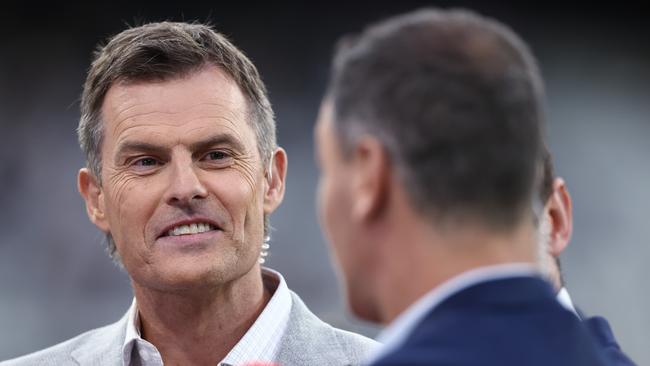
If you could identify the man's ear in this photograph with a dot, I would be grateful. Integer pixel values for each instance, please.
(93, 195)
(560, 211)
(370, 177)
(275, 174)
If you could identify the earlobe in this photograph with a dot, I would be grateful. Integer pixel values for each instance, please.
(93, 196)
(275, 175)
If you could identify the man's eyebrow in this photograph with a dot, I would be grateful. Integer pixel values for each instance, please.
(220, 139)
(202, 145)
(138, 146)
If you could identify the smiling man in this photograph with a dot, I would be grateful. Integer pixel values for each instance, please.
(182, 173)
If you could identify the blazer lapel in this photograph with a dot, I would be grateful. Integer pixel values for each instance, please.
(308, 340)
(103, 346)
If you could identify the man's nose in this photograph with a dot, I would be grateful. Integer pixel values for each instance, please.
(185, 184)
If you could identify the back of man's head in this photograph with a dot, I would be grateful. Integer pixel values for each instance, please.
(456, 100)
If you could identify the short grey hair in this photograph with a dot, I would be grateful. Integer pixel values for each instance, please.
(165, 51)
(456, 99)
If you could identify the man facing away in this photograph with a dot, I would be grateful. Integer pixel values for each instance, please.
(182, 172)
(429, 141)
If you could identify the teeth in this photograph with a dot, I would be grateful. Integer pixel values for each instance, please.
(194, 228)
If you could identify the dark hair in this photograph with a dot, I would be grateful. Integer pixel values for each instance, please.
(164, 51)
(456, 99)
(548, 175)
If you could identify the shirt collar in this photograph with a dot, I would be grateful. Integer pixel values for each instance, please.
(564, 299)
(397, 332)
(261, 341)
(132, 332)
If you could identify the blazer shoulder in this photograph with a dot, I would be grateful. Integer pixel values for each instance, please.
(310, 341)
(602, 332)
(528, 327)
(65, 352)
(356, 346)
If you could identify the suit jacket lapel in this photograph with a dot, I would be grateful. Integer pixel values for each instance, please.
(308, 340)
(104, 346)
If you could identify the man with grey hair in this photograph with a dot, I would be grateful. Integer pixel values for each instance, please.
(430, 143)
(182, 172)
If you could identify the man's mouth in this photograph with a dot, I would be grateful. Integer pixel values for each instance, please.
(190, 229)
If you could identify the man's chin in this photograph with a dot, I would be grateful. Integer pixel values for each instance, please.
(183, 276)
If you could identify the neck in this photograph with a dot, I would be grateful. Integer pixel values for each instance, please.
(201, 327)
(556, 279)
(433, 257)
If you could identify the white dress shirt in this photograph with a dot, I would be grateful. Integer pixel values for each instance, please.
(259, 344)
(564, 299)
(396, 333)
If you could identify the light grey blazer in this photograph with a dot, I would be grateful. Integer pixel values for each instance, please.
(307, 341)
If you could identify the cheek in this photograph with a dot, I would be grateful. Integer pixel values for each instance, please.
(243, 202)
(130, 209)
(333, 210)
(336, 222)
(324, 205)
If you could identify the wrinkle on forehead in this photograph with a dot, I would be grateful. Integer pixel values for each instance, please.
(207, 93)
(225, 124)
(232, 118)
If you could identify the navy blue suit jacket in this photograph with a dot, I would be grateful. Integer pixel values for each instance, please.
(507, 322)
(601, 331)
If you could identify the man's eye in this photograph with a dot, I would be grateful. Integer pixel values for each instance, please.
(146, 162)
(216, 155)
(217, 159)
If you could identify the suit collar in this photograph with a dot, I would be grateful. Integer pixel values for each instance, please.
(506, 291)
(259, 343)
(400, 329)
(307, 341)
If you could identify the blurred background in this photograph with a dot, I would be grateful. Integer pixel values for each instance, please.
(56, 281)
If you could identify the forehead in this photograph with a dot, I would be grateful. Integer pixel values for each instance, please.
(202, 102)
